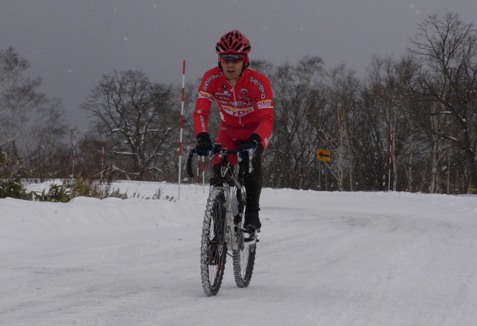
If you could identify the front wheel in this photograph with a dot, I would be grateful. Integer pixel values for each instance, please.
(213, 251)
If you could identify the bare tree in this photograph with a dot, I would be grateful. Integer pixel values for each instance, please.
(386, 97)
(298, 100)
(136, 118)
(18, 97)
(447, 49)
(343, 97)
(27, 116)
(48, 156)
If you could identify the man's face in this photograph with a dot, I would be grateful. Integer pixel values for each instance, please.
(232, 68)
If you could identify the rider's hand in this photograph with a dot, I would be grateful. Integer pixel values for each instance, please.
(254, 142)
(204, 144)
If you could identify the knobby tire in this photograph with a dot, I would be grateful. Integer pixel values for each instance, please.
(244, 257)
(243, 261)
(213, 249)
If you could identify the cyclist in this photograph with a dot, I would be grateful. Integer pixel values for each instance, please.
(244, 99)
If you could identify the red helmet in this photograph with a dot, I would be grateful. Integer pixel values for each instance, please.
(234, 43)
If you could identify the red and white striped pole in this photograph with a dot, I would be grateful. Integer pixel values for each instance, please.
(181, 125)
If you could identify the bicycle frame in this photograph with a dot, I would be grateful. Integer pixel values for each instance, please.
(231, 184)
(233, 188)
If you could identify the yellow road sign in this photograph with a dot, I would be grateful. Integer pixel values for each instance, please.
(323, 155)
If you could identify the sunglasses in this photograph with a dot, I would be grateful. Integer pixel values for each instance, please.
(231, 57)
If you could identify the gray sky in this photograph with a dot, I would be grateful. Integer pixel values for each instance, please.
(72, 43)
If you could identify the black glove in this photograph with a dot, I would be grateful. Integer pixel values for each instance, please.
(204, 144)
(254, 141)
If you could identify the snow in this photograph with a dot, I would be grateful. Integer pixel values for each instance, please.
(324, 258)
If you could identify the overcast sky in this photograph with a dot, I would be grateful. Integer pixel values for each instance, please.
(72, 43)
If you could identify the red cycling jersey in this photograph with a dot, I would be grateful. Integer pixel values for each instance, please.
(247, 105)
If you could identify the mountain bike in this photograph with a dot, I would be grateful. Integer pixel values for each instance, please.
(222, 229)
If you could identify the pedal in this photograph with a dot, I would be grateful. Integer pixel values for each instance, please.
(250, 241)
(250, 235)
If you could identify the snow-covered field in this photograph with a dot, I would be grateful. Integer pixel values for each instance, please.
(324, 258)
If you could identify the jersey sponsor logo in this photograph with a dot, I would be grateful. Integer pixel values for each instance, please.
(265, 104)
(224, 94)
(237, 111)
(243, 93)
(260, 87)
(205, 95)
(203, 124)
(209, 80)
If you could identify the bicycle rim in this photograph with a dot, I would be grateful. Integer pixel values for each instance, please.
(213, 249)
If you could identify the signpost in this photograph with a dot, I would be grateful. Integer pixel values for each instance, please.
(322, 155)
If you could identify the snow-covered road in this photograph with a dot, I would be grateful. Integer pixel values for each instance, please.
(323, 259)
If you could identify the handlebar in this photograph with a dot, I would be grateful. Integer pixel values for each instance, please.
(216, 149)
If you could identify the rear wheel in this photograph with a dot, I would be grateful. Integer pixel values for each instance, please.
(244, 256)
(244, 260)
(213, 251)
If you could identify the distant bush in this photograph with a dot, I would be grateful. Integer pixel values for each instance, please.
(13, 187)
(115, 193)
(67, 190)
(85, 188)
(56, 193)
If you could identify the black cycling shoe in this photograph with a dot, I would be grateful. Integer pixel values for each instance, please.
(250, 233)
